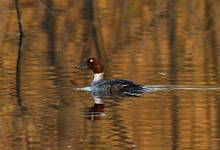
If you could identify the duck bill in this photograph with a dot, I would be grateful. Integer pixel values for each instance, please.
(82, 66)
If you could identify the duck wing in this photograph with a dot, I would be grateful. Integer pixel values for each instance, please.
(121, 86)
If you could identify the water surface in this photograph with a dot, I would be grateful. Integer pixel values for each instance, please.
(159, 43)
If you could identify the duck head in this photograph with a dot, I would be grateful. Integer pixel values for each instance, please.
(93, 64)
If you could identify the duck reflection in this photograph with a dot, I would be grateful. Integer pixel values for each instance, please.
(96, 112)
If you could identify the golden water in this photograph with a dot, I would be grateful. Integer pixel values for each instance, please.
(150, 42)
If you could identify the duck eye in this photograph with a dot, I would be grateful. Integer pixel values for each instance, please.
(91, 60)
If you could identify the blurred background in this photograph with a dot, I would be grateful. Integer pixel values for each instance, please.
(152, 42)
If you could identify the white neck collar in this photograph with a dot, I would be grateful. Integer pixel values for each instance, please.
(97, 77)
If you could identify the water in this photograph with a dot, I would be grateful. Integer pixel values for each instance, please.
(161, 44)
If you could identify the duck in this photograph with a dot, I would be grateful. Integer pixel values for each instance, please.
(108, 87)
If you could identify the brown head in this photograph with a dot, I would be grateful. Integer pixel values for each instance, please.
(94, 64)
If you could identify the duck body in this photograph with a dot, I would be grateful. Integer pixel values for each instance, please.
(118, 85)
(108, 87)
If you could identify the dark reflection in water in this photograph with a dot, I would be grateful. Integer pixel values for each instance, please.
(150, 42)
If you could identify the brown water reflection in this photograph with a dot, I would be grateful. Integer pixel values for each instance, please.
(151, 42)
